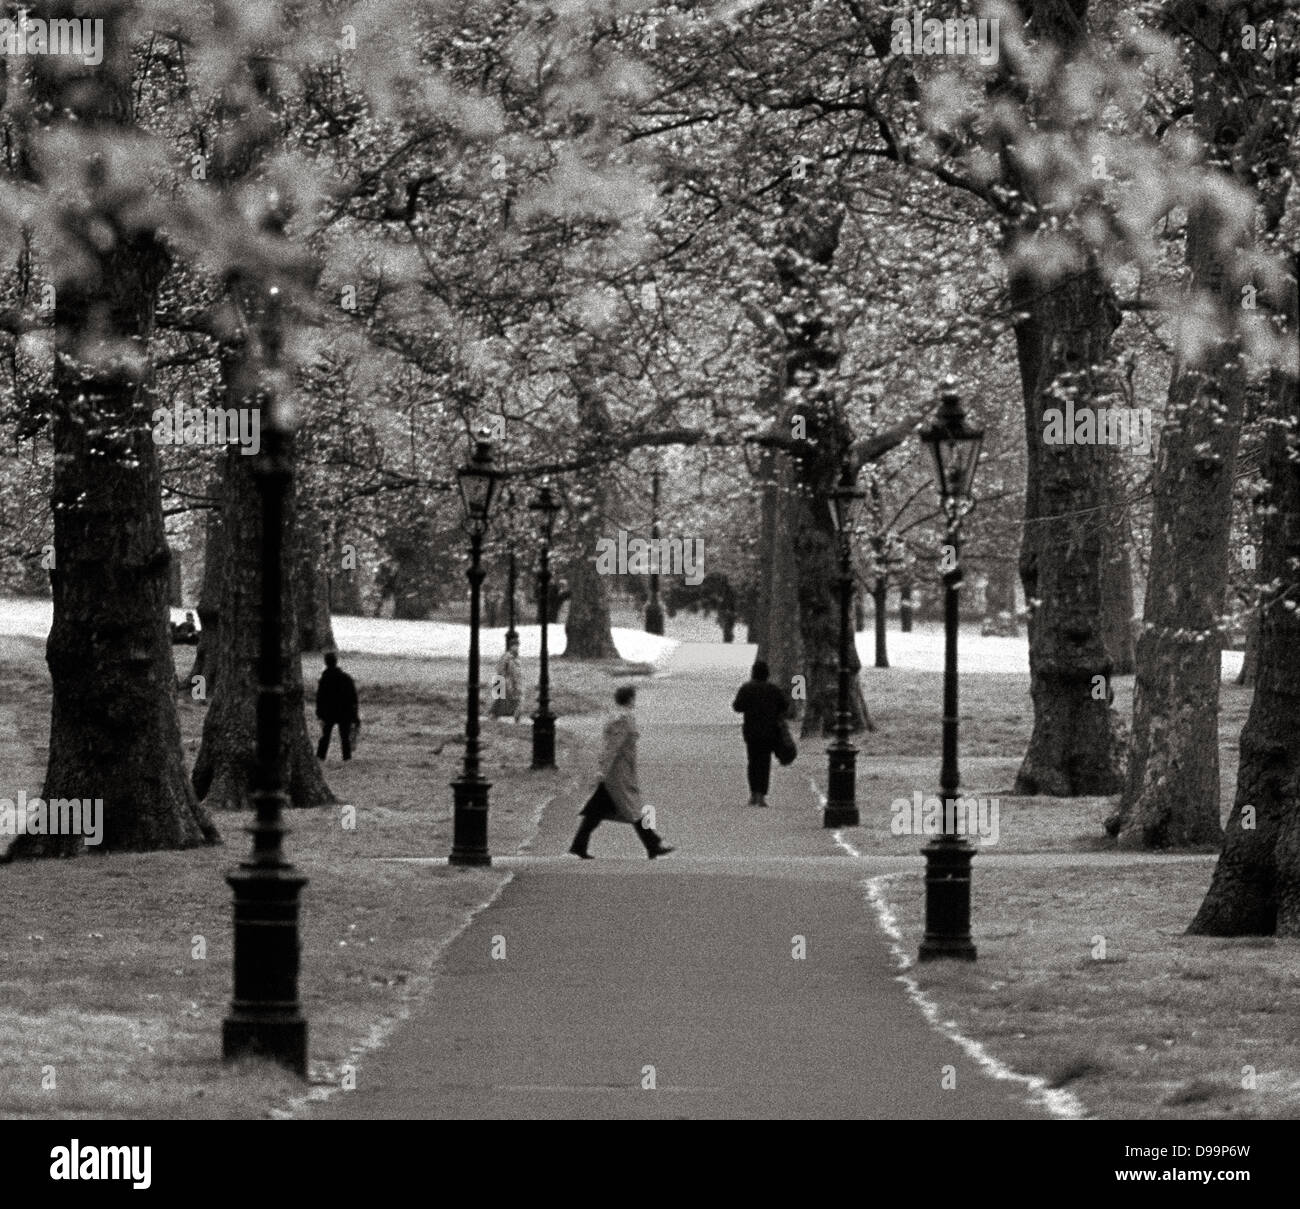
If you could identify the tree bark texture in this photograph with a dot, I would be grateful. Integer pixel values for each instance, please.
(114, 732)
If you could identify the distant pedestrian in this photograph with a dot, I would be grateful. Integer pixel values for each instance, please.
(336, 705)
(763, 706)
(618, 796)
(508, 687)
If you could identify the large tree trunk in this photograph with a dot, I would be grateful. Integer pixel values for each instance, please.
(1171, 797)
(1062, 340)
(1063, 330)
(225, 762)
(780, 641)
(810, 234)
(1256, 885)
(113, 726)
(175, 596)
(587, 627)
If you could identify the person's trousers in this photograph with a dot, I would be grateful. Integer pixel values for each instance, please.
(759, 769)
(649, 837)
(326, 729)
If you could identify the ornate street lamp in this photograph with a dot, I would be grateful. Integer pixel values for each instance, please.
(546, 507)
(654, 613)
(469, 846)
(842, 756)
(265, 1017)
(956, 446)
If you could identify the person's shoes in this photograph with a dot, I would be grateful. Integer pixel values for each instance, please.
(662, 850)
(753, 799)
(586, 856)
(760, 800)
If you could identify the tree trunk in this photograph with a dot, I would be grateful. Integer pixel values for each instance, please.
(1171, 797)
(905, 607)
(880, 597)
(761, 604)
(810, 233)
(114, 732)
(780, 645)
(587, 627)
(1256, 886)
(225, 762)
(1062, 340)
(1064, 324)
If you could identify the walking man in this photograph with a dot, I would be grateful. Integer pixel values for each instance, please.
(336, 705)
(618, 796)
(763, 706)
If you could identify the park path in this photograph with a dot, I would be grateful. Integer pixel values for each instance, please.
(685, 964)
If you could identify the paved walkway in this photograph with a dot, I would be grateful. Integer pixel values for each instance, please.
(684, 965)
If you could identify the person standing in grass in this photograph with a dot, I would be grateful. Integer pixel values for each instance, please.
(508, 684)
(618, 796)
(336, 705)
(763, 706)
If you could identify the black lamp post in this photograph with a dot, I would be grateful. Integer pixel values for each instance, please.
(265, 1017)
(512, 635)
(654, 613)
(956, 447)
(469, 846)
(545, 506)
(842, 756)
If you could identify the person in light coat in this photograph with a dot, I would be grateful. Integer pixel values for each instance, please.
(618, 796)
(508, 686)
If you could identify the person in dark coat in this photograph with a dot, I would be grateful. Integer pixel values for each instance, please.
(618, 796)
(763, 706)
(336, 705)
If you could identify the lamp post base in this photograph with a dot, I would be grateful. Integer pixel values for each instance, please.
(947, 900)
(265, 1018)
(283, 1041)
(469, 844)
(544, 740)
(841, 785)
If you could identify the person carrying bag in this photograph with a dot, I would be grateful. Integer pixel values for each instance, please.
(765, 731)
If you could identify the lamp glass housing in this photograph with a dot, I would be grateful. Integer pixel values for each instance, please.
(478, 480)
(546, 506)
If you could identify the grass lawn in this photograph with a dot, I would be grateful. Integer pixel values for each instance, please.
(115, 970)
(1163, 1025)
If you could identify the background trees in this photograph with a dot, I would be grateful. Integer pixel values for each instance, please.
(745, 242)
